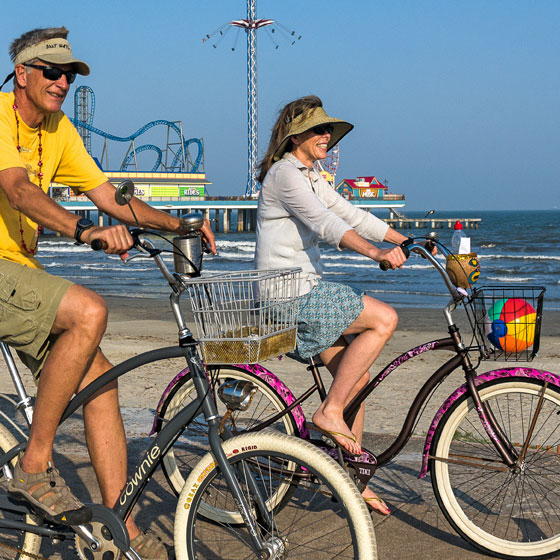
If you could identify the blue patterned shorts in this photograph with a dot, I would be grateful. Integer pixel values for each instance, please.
(324, 314)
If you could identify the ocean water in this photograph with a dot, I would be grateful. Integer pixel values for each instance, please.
(515, 249)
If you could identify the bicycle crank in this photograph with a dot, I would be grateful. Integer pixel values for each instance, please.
(106, 550)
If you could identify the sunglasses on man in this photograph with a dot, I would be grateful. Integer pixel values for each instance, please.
(321, 129)
(52, 73)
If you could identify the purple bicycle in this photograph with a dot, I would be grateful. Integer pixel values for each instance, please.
(492, 449)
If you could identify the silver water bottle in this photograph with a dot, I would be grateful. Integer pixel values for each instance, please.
(189, 245)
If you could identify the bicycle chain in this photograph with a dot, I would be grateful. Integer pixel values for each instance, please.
(22, 553)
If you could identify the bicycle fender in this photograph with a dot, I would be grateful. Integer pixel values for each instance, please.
(265, 375)
(532, 373)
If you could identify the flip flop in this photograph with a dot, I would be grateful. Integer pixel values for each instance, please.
(370, 501)
(331, 435)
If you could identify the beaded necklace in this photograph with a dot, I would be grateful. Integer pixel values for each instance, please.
(33, 250)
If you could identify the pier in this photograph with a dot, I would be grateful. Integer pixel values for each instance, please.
(240, 215)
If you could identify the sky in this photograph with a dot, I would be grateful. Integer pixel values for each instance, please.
(455, 102)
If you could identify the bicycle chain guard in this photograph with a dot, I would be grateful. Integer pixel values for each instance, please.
(109, 530)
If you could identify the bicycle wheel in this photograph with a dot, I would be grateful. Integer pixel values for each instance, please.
(14, 544)
(325, 517)
(193, 442)
(503, 513)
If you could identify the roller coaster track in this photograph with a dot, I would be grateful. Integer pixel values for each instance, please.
(130, 157)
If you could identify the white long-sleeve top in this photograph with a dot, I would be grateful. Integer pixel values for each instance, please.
(297, 208)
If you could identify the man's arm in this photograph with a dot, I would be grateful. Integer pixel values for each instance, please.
(28, 199)
(103, 197)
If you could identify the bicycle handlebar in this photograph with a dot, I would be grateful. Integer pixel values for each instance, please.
(146, 246)
(409, 246)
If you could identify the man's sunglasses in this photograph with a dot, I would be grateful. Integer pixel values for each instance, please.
(321, 129)
(52, 73)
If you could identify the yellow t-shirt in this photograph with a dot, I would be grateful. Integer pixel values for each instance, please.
(65, 160)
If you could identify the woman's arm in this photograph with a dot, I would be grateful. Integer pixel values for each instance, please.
(352, 240)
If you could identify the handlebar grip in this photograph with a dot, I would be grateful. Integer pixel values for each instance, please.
(97, 245)
(385, 265)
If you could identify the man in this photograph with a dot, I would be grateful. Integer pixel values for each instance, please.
(56, 326)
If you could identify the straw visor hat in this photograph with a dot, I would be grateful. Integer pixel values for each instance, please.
(309, 119)
(55, 51)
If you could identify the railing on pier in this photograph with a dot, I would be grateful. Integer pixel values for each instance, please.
(432, 223)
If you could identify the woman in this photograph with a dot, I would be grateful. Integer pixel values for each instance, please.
(297, 209)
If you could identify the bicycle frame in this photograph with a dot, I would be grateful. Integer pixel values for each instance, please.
(461, 358)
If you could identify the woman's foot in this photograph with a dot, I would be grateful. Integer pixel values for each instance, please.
(374, 502)
(338, 431)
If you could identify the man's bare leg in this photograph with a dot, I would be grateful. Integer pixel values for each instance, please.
(80, 323)
(106, 438)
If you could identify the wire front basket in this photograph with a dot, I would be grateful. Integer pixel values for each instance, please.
(245, 317)
(508, 322)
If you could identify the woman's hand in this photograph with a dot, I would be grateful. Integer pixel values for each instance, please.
(431, 247)
(394, 256)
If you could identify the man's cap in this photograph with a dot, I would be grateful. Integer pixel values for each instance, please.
(55, 51)
(309, 119)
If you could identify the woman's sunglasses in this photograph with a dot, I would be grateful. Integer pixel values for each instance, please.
(321, 129)
(52, 73)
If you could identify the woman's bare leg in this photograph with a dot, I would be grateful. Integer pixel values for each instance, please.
(373, 327)
(332, 358)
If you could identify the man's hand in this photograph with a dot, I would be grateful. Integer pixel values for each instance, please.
(115, 239)
(208, 236)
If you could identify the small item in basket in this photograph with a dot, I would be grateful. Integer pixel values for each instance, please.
(510, 325)
(463, 270)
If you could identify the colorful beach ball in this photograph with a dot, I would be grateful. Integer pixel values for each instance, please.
(510, 325)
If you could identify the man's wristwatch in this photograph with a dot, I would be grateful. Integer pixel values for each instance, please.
(81, 225)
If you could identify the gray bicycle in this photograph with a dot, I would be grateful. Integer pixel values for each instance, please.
(260, 495)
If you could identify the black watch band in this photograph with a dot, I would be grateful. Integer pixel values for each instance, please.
(407, 242)
(81, 225)
(405, 245)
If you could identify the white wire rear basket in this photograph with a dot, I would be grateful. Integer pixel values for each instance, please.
(246, 316)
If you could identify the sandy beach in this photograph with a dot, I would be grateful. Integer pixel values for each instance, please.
(137, 325)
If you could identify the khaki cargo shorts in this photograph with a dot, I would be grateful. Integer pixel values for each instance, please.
(29, 301)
